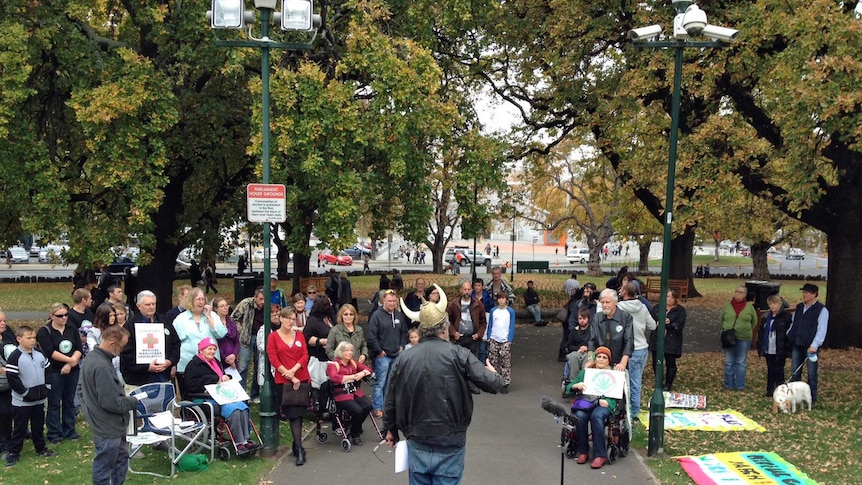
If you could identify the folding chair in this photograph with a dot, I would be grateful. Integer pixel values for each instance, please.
(185, 427)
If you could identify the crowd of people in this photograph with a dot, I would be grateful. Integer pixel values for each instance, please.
(207, 342)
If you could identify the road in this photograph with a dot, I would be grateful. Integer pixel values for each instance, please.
(811, 266)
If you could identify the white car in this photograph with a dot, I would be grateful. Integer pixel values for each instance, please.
(578, 255)
(17, 254)
(796, 253)
(52, 253)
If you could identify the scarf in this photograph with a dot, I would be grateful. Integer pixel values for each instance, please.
(738, 306)
(213, 365)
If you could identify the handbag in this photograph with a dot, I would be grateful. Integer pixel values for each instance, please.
(584, 404)
(296, 397)
(728, 337)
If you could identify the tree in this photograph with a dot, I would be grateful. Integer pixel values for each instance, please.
(576, 191)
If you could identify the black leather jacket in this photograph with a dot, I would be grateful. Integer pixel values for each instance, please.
(428, 394)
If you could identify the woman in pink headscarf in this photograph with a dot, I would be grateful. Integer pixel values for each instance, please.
(205, 369)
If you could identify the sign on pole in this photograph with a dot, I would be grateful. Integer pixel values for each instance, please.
(266, 203)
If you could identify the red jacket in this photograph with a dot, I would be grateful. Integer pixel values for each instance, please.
(280, 354)
(336, 371)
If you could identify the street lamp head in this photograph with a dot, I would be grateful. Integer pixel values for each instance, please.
(297, 15)
(694, 20)
(645, 33)
(227, 14)
(270, 4)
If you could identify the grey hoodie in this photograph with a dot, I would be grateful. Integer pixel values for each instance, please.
(641, 321)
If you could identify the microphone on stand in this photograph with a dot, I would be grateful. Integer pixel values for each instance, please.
(554, 407)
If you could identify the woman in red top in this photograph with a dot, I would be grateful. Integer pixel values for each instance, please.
(345, 374)
(288, 355)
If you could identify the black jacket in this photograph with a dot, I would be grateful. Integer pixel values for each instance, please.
(138, 374)
(428, 393)
(780, 325)
(198, 375)
(672, 331)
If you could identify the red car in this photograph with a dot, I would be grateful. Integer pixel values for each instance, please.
(340, 259)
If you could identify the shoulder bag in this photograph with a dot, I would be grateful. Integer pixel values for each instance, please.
(728, 337)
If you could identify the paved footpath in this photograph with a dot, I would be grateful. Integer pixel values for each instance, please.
(511, 439)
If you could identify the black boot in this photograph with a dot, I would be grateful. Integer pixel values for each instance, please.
(671, 375)
(300, 456)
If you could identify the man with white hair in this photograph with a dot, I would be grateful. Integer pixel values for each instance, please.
(613, 328)
(428, 399)
(135, 374)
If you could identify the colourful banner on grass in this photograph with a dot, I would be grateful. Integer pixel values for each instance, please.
(725, 420)
(747, 467)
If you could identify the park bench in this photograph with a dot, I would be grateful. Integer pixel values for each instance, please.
(525, 266)
(653, 288)
(318, 281)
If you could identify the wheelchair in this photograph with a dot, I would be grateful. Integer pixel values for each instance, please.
(342, 421)
(184, 427)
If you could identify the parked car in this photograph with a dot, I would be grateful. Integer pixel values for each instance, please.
(52, 253)
(578, 255)
(119, 265)
(17, 254)
(34, 251)
(449, 256)
(354, 253)
(795, 253)
(340, 259)
(181, 269)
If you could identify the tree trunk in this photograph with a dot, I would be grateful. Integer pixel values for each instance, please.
(759, 259)
(717, 247)
(845, 266)
(158, 276)
(437, 252)
(681, 248)
(643, 255)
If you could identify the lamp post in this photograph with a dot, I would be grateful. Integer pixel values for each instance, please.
(296, 16)
(690, 21)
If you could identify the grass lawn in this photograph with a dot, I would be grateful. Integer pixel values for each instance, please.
(823, 443)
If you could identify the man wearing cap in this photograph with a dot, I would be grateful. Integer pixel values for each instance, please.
(806, 335)
(613, 328)
(429, 401)
(276, 296)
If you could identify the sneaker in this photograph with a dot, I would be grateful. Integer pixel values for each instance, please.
(356, 440)
(256, 400)
(55, 441)
(46, 452)
(338, 431)
(11, 460)
(504, 390)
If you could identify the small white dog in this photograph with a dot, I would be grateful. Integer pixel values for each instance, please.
(790, 395)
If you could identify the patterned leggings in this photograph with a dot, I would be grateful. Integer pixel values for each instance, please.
(500, 356)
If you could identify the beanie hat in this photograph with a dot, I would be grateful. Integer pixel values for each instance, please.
(206, 342)
(604, 350)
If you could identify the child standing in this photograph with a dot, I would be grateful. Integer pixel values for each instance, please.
(412, 337)
(26, 373)
(500, 332)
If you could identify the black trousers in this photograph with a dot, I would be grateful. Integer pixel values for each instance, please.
(22, 418)
(358, 408)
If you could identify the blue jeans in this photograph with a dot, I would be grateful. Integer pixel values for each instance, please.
(381, 373)
(435, 466)
(111, 460)
(536, 312)
(735, 363)
(594, 420)
(797, 356)
(247, 355)
(637, 362)
(60, 418)
(482, 355)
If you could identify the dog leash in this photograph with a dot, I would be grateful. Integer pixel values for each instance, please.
(807, 358)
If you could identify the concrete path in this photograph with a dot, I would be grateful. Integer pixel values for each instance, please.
(511, 439)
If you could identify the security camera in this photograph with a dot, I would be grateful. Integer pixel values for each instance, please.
(722, 34)
(645, 33)
(694, 20)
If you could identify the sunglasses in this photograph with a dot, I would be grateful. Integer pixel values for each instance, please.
(389, 292)
(61, 315)
(348, 314)
(312, 292)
